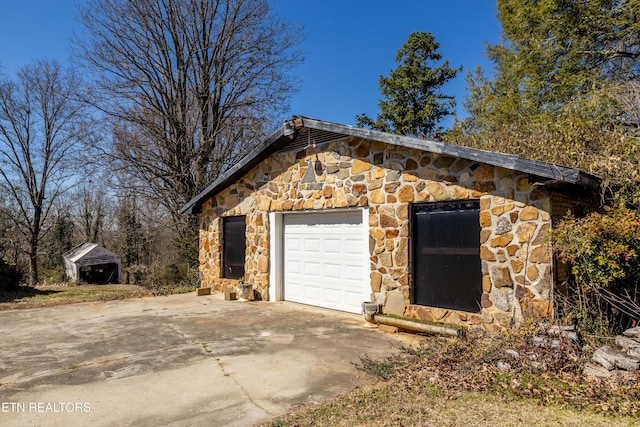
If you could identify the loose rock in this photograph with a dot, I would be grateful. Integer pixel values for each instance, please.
(611, 359)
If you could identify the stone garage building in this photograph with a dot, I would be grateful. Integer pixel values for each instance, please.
(332, 216)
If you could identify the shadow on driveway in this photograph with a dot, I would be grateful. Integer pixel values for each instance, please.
(24, 292)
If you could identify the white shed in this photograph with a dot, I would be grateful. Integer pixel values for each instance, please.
(92, 263)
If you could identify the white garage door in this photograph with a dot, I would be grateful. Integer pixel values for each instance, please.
(324, 260)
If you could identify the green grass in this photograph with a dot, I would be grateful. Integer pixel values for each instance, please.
(170, 289)
(430, 389)
(383, 369)
(52, 295)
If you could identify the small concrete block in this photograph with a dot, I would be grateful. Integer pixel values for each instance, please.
(230, 296)
(204, 291)
(395, 304)
(388, 329)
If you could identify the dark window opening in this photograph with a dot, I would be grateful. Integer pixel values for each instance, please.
(447, 270)
(233, 246)
(99, 273)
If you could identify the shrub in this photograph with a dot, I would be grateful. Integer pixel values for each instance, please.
(53, 274)
(172, 274)
(604, 252)
(171, 278)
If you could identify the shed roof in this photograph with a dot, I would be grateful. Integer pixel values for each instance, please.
(88, 250)
(300, 131)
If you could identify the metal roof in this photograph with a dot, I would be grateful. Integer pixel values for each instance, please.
(300, 132)
(88, 249)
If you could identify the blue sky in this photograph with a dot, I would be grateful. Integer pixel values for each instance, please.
(349, 44)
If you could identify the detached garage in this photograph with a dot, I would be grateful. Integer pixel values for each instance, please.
(333, 216)
(91, 263)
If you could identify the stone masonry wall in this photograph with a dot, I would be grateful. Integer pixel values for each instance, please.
(514, 218)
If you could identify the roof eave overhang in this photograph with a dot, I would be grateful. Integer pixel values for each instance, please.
(507, 161)
(282, 137)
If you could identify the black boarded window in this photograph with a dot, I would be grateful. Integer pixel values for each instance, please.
(446, 255)
(233, 247)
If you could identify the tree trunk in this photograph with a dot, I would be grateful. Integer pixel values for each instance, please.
(33, 263)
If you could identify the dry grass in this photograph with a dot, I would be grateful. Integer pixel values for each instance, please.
(389, 405)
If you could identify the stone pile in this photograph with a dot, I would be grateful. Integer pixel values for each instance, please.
(608, 361)
(550, 338)
(554, 337)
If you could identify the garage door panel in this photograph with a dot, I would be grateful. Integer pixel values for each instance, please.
(311, 269)
(295, 291)
(329, 247)
(312, 292)
(293, 243)
(353, 246)
(294, 267)
(312, 245)
(332, 295)
(332, 246)
(353, 272)
(332, 271)
(355, 298)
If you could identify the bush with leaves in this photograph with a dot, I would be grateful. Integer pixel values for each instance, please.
(604, 252)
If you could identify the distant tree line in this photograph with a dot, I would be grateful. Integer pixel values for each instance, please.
(162, 96)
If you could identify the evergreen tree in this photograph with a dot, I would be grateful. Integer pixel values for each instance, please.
(413, 103)
(564, 88)
(129, 230)
(59, 240)
(557, 52)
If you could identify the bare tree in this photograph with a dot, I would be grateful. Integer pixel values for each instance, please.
(41, 125)
(10, 243)
(191, 85)
(627, 94)
(91, 214)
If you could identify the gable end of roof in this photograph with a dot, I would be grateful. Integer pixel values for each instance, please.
(294, 131)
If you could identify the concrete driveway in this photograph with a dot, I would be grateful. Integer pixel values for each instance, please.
(177, 360)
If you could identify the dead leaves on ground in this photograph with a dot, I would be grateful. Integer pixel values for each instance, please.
(513, 369)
